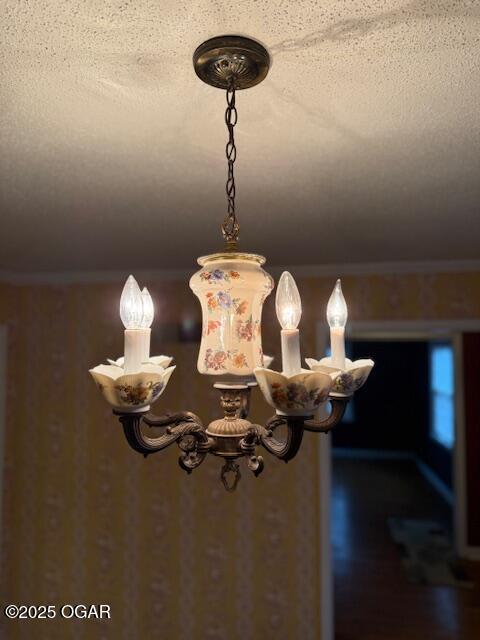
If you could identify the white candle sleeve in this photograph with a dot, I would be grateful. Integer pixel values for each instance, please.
(145, 344)
(291, 351)
(134, 348)
(337, 343)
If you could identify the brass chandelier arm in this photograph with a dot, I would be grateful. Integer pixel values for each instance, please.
(283, 449)
(169, 419)
(186, 429)
(177, 431)
(324, 426)
(248, 444)
(288, 448)
(138, 440)
(194, 448)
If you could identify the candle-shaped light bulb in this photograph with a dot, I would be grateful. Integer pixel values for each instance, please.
(289, 312)
(337, 315)
(337, 312)
(148, 309)
(131, 313)
(147, 319)
(287, 302)
(131, 305)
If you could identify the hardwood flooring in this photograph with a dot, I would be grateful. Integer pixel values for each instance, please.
(373, 599)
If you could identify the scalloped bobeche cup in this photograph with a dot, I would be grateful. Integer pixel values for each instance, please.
(159, 361)
(298, 395)
(267, 361)
(346, 381)
(133, 391)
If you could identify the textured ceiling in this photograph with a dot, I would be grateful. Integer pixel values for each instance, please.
(362, 145)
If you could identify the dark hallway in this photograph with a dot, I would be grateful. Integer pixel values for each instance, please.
(373, 599)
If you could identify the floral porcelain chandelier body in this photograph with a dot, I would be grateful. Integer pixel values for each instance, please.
(232, 287)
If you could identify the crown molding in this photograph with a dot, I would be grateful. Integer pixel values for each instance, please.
(383, 268)
(300, 271)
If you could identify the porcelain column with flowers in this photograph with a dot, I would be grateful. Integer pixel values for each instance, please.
(231, 288)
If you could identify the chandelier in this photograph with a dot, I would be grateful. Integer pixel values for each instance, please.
(232, 286)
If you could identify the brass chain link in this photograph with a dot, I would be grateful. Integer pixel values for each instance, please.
(230, 226)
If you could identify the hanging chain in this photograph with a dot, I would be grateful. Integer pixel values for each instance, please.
(230, 226)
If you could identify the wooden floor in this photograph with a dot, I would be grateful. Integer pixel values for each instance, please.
(373, 599)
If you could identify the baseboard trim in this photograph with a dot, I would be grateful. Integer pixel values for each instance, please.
(464, 551)
(470, 553)
(384, 454)
(435, 481)
(371, 454)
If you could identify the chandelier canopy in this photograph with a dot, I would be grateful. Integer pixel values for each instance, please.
(232, 287)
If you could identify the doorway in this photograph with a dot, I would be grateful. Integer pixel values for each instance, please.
(3, 397)
(395, 455)
(407, 409)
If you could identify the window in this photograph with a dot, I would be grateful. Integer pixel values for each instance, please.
(442, 425)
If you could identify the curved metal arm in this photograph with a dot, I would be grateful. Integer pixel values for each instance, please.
(287, 449)
(170, 418)
(247, 446)
(179, 425)
(324, 426)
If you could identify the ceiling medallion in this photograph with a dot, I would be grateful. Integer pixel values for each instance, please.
(232, 286)
(220, 60)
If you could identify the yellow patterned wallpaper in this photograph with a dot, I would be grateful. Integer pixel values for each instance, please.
(88, 520)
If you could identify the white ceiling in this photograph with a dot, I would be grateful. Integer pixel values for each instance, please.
(362, 145)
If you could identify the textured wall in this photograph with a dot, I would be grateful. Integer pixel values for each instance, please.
(88, 520)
